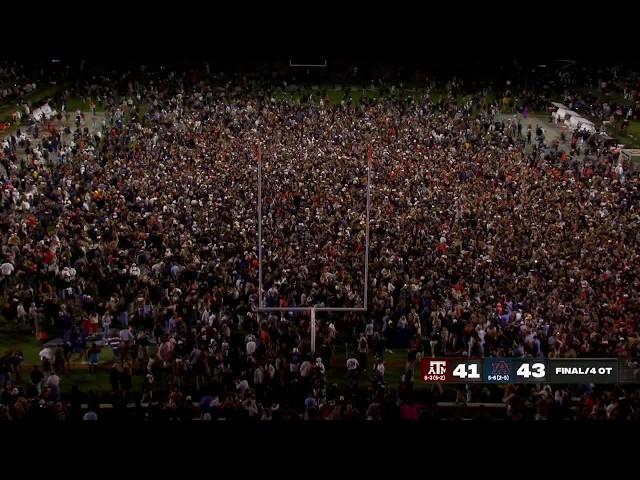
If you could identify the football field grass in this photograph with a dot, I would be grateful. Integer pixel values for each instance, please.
(12, 339)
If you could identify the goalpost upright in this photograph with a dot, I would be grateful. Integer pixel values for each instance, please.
(313, 309)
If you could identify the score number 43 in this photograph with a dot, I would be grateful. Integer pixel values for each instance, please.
(535, 370)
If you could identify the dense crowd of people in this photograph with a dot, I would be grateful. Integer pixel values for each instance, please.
(15, 82)
(136, 230)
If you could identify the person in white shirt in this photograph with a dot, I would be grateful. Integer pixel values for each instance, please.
(305, 369)
(33, 315)
(68, 273)
(258, 376)
(333, 333)
(125, 335)
(7, 269)
(106, 323)
(243, 386)
(53, 382)
(134, 271)
(46, 353)
(21, 313)
(368, 330)
(251, 347)
(320, 365)
(353, 367)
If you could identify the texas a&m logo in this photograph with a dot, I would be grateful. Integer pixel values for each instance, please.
(437, 367)
(435, 370)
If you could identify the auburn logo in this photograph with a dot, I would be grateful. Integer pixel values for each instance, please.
(500, 368)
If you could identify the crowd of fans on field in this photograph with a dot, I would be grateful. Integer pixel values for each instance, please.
(135, 231)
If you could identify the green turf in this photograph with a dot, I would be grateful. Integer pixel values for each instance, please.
(10, 339)
(630, 137)
(77, 103)
(98, 382)
(35, 98)
(335, 96)
(633, 132)
(394, 369)
(79, 375)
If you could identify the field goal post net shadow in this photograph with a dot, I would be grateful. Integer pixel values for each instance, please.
(313, 309)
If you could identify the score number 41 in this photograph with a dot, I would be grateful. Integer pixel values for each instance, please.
(464, 370)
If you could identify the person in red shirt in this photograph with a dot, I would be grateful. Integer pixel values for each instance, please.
(265, 337)
(48, 257)
(442, 245)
